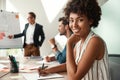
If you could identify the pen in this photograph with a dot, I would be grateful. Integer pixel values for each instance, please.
(42, 68)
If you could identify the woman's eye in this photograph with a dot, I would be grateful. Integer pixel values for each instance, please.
(80, 20)
(70, 21)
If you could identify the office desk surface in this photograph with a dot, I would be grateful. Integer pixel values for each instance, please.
(28, 61)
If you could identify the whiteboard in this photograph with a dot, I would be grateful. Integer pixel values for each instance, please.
(10, 24)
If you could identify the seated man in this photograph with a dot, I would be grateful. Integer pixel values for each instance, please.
(64, 29)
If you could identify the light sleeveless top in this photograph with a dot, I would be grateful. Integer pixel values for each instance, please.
(100, 69)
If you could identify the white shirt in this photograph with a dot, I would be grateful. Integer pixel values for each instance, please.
(30, 33)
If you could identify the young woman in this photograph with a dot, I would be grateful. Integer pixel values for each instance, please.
(88, 60)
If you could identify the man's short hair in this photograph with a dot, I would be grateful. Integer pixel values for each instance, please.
(32, 14)
(64, 20)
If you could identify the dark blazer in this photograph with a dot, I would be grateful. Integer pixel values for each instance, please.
(37, 33)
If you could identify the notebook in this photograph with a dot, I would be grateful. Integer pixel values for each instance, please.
(35, 76)
(3, 73)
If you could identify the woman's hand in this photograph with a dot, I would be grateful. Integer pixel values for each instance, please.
(42, 72)
(73, 39)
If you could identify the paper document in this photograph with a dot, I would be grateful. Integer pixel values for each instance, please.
(2, 66)
(35, 76)
(4, 61)
(47, 63)
(28, 68)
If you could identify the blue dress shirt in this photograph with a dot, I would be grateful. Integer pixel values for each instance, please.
(61, 56)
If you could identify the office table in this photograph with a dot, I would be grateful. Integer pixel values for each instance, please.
(28, 61)
(114, 66)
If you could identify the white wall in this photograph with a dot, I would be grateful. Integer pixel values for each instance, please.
(2, 4)
(109, 27)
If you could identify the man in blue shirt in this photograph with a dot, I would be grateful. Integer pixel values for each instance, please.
(64, 29)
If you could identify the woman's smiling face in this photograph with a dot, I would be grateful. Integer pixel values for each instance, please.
(79, 24)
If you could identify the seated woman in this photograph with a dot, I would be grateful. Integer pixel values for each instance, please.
(89, 58)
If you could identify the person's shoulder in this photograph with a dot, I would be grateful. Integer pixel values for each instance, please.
(39, 25)
(27, 24)
(97, 40)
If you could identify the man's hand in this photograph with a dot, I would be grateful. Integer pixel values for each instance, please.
(49, 59)
(10, 36)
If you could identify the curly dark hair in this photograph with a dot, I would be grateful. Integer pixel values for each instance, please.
(90, 8)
